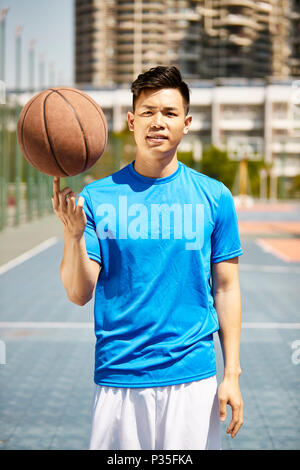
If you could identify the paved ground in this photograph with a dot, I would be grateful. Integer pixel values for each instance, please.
(47, 343)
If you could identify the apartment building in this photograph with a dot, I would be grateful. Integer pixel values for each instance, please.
(244, 38)
(95, 35)
(118, 39)
(239, 57)
(294, 16)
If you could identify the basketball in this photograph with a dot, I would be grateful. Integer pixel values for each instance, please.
(62, 131)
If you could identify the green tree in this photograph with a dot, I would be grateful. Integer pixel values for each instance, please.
(294, 190)
(216, 164)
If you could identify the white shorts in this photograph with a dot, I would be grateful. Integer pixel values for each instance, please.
(174, 417)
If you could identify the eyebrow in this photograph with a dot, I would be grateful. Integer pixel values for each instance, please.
(168, 108)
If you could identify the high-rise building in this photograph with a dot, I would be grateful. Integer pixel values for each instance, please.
(244, 38)
(118, 39)
(95, 35)
(295, 38)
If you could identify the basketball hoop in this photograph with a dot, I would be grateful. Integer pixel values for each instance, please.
(242, 149)
(250, 148)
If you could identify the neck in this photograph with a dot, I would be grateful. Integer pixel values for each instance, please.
(156, 168)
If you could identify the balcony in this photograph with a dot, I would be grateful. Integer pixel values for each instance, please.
(124, 25)
(241, 3)
(125, 5)
(151, 47)
(200, 121)
(151, 5)
(237, 20)
(187, 15)
(125, 47)
(189, 55)
(240, 124)
(84, 7)
(263, 6)
(240, 40)
(125, 58)
(126, 68)
(125, 16)
(237, 59)
(280, 123)
(152, 36)
(291, 146)
(155, 27)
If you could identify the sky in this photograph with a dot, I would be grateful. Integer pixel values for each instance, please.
(51, 24)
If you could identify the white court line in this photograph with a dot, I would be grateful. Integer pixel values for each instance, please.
(41, 325)
(272, 325)
(271, 249)
(28, 254)
(269, 268)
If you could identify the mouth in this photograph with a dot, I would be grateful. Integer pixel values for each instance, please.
(157, 138)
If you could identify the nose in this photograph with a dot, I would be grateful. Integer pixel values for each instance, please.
(157, 120)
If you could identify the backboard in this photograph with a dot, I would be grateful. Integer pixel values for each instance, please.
(240, 147)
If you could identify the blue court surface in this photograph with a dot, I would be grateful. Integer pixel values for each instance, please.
(47, 351)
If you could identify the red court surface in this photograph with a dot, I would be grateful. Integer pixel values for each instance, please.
(269, 227)
(287, 249)
(267, 207)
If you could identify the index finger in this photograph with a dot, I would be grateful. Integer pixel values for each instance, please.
(233, 425)
(56, 187)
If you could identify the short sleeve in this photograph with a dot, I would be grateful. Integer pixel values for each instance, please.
(90, 235)
(225, 240)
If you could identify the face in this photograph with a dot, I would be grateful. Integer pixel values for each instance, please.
(159, 122)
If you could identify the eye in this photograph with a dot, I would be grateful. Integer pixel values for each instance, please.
(171, 114)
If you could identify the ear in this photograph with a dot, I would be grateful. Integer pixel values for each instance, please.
(130, 120)
(187, 124)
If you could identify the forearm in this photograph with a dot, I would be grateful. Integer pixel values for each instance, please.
(228, 307)
(75, 270)
(227, 299)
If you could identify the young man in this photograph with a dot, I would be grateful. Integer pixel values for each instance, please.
(158, 244)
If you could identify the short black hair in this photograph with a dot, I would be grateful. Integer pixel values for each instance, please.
(161, 77)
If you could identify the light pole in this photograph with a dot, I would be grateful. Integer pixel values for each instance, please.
(41, 72)
(263, 184)
(31, 65)
(51, 74)
(197, 153)
(3, 14)
(282, 179)
(18, 58)
(243, 176)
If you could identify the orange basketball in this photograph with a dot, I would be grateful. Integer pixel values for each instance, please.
(62, 131)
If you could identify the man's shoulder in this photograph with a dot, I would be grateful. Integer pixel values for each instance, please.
(206, 182)
(107, 182)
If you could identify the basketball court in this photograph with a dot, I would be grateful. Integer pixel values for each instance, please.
(280, 237)
(47, 343)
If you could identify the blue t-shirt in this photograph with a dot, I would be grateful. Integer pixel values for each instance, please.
(155, 239)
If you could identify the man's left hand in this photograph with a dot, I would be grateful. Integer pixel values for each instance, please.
(229, 394)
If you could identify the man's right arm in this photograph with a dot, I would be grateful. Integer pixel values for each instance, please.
(79, 274)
